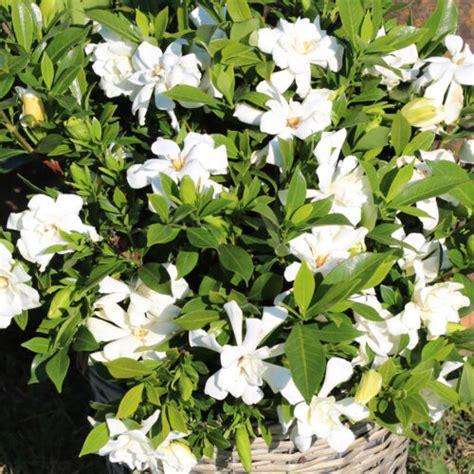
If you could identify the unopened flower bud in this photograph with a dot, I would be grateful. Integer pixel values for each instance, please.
(369, 387)
(423, 113)
(32, 107)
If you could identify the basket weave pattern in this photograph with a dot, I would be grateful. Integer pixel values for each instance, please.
(375, 450)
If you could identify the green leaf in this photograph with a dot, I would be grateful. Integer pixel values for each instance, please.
(366, 311)
(242, 443)
(352, 13)
(197, 319)
(65, 41)
(444, 20)
(238, 10)
(40, 345)
(296, 193)
(426, 188)
(160, 206)
(421, 141)
(65, 79)
(374, 138)
(369, 268)
(335, 333)
(176, 419)
(237, 260)
(116, 23)
(186, 262)
(190, 95)
(161, 234)
(398, 37)
(155, 277)
(400, 181)
(464, 192)
(23, 23)
(95, 440)
(304, 287)
(161, 22)
(124, 368)
(466, 384)
(47, 70)
(266, 287)
(202, 237)
(306, 359)
(84, 341)
(400, 133)
(329, 295)
(99, 273)
(56, 368)
(130, 401)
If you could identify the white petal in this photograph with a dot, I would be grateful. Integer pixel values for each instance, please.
(340, 438)
(200, 338)
(247, 114)
(337, 371)
(236, 318)
(352, 410)
(280, 381)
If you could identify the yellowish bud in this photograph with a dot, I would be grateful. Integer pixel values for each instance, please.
(453, 327)
(423, 113)
(369, 387)
(32, 107)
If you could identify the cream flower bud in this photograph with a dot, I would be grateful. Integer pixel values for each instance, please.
(370, 385)
(32, 107)
(423, 113)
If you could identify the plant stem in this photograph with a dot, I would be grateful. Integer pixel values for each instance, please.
(14, 131)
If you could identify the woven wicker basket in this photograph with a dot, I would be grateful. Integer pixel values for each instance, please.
(375, 450)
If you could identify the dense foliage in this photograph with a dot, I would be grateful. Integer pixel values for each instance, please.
(303, 167)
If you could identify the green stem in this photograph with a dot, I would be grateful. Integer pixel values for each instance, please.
(14, 131)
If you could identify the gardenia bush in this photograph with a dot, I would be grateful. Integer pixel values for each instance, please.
(262, 215)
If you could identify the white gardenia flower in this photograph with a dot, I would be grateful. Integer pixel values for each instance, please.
(15, 295)
(175, 456)
(375, 334)
(437, 405)
(325, 247)
(147, 322)
(286, 119)
(41, 224)
(446, 75)
(112, 61)
(199, 159)
(405, 61)
(344, 180)
(295, 47)
(158, 72)
(131, 446)
(422, 255)
(466, 154)
(438, 305)
(244, 366)
(321, 417)
(421, 170)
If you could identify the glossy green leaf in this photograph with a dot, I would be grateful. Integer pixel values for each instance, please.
(306, 359)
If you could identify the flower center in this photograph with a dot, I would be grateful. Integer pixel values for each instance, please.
(157, 70)
(50, 229)
(140, 332)
(177, 164)
(321, 260)
(293, 122)
(3, 283)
